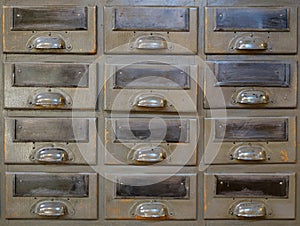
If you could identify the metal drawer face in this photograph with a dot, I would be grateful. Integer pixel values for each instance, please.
(150, 30)
(248, 30)
(63, 86)
(50, 140)
(247, 196)
(151, 197)
(250, 140)
(144, 141)
(151, 87)
(51, 195)
(248, 84)
(51, 29)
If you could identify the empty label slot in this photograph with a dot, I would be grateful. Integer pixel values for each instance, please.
(259, 129)
(58, 18)
(51, 185)
(151, 130)
(151, 76)
(51, 130)
(252, 19)
(252, 74)
(252, 186)
(151, 19)
(132, 187)
(51, 75)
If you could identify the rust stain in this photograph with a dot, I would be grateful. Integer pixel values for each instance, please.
(284, 156)
(106, 136)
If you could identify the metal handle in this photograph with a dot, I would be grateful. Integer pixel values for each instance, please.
(49, 100)
(250, 43)
(151, 42)
(51, 209)
(149, 154)
(47, 43)
(151, 210)
(150, 101)
(252, 97)
(250, 209)
(249, 153)
(52, 155)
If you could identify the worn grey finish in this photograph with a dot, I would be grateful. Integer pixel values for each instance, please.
(22, 207)
(126, 33)
(27, 137)
(56, 36)
(260, 34)
(274, 136)
(222, 207)
(75, 83)
(174, 208)
(276, 81)
(174, 84)
(176, 138)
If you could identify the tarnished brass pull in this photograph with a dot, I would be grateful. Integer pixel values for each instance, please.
(252, 97)
(250, 209)
(149, 154)
(48, 43)
(51, 209)
(249, 153)
(51, 155)
(250, 43)
(150, 101)
(49, 100)
(150, 42)
(151, 210)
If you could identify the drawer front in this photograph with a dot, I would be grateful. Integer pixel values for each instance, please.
(51, 195)
(151, 86)
(150, 30)
(250, 140)
(248, 196)
(248, 30)
(51, 29)
(64, 86)
(151, 197)
(144, 141)
(252, 84)
(50, 140)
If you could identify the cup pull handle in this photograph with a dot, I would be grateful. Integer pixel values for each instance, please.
(252, 97)
(49, 100)
(250, 210)
(149, 155)
(151, 210)
(51, 155)
(251, 43)
(150, 101)
(47, 43)
(151, 42)
(248, 153)
(51, 209)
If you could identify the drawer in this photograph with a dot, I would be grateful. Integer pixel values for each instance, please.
(63, 86)
(59, 196)
(151, 196)
(247, 196)
(144, 141)
(250, 140)
(252, 84)
(151, 86)
(49, 29)
(248, 30)
(50, 140)
(150, 30)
